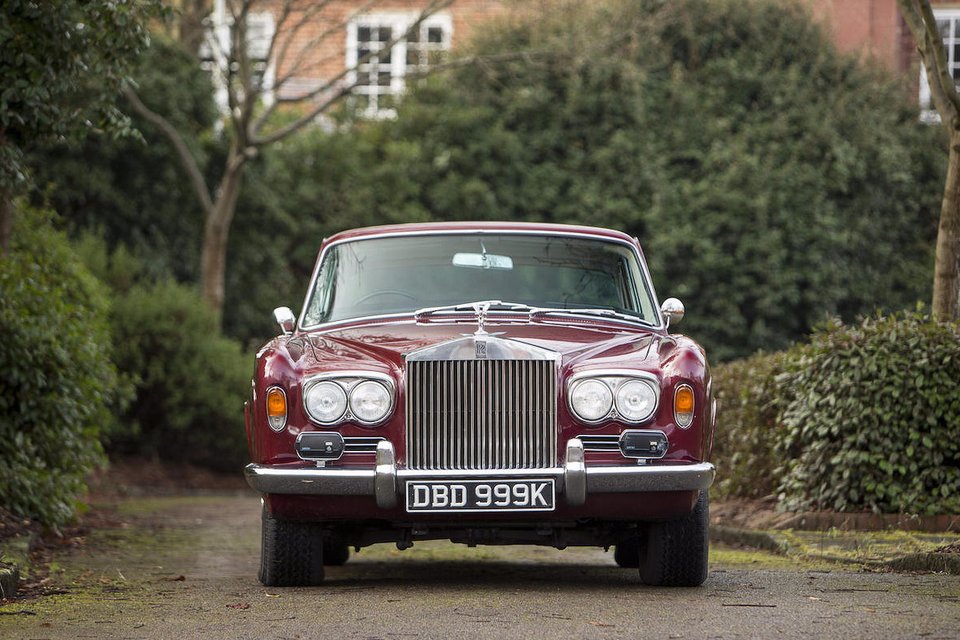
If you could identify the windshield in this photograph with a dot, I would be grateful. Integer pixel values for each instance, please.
(378, 276)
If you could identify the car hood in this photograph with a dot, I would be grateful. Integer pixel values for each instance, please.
(603, 345)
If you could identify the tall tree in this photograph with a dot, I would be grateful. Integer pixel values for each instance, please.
(922, 23)
(61, 66)
(250, 123)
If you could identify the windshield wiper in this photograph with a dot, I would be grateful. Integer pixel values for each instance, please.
(481, 306)
(608, 313)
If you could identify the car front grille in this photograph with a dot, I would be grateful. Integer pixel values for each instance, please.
(481, 414)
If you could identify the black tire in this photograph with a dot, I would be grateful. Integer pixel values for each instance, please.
(291, 553)
(677, 551)
(627, 553)
(335, 553)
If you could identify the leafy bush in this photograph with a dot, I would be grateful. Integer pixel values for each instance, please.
(57, 381)
(750, 401)
(190, 381)
(875, 419)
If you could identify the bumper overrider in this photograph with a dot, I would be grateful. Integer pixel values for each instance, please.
(574, 480)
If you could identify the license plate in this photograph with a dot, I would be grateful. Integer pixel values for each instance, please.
(480, 495)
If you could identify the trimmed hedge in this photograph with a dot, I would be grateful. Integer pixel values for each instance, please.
(190, 380)
(57, 381)
(863, 417)
(745, 442)
(875, 423)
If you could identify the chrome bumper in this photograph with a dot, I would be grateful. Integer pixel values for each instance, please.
(574, 479)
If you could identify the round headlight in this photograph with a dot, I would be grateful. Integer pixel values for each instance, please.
(326, 402)
(591, 400)
(370, 401)
(636, 400)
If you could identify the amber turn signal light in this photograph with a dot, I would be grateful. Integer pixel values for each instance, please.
(276, 408)
(683, 403)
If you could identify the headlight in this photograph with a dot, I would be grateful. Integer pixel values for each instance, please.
(636, 400)
(591, 400)
(326, 402)
(370, 402)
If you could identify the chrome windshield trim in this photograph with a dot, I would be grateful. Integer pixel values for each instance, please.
(641, 262)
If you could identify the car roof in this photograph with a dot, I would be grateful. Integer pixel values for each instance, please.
(482, 227)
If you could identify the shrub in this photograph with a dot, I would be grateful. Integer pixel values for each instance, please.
(875, 419)
(190, 381)
(57, 382)
(746, 439)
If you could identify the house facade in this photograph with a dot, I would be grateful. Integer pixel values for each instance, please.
(370, 45)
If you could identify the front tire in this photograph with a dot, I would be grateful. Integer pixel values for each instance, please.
(676, 552)
(291, 552)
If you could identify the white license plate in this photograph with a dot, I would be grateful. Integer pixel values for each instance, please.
(460, 496)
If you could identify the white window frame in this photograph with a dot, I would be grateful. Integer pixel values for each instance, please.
(261, 28)
(928, 112)
(399, 23)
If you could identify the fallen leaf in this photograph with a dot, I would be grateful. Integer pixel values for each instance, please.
(273, 595)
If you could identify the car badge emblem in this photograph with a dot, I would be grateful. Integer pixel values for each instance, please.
(481, 349)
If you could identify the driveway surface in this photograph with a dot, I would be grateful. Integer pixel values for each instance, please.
(186, 567)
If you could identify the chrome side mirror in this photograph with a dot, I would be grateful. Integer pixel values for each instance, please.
(672, 311)
(285, 319)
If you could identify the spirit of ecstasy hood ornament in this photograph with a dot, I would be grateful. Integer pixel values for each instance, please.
(481, 309)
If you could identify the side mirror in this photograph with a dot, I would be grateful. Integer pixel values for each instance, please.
(672, 311)
(285, 319)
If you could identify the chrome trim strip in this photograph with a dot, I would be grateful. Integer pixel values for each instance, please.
(575, 476)
(648, 281)
(310, 481)
(356, 482)
(686, 477)
(385, 476)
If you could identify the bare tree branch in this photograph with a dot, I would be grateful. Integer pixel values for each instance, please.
(187, 159)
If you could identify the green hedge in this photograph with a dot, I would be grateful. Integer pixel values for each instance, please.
(746, 438)
(875, 423)
(190, 381)
(57, 381)
(863, 417)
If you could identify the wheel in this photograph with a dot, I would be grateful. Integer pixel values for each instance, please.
(291, 552)
(335, 553)
(675, 554)
(627, 553)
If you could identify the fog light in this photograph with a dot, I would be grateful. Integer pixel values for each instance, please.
(637, 443)
(319, 445)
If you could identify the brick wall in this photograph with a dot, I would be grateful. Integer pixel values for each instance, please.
(319, 48)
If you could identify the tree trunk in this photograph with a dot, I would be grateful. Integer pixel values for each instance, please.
(213, 260)
(6, 221)
(946, 279)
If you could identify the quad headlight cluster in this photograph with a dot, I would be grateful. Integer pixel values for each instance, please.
(629, 397)
(365, 399)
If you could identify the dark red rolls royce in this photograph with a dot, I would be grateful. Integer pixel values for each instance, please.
(487, 384)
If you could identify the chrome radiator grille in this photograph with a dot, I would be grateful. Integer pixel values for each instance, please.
(481, 414)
